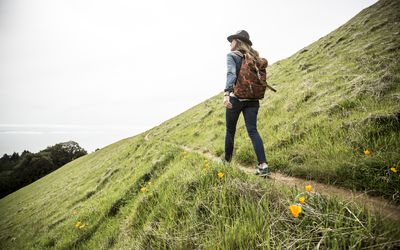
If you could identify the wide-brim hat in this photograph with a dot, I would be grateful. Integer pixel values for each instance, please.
(241, 35)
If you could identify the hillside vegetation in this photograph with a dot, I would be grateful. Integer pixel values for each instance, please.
(17, 171)
(336, 98)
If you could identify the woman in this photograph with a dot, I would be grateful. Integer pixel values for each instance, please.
(240, 44)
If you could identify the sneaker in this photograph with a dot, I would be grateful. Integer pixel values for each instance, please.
(263, 170)
(222, 161)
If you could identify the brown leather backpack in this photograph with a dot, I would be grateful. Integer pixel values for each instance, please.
(251, 82)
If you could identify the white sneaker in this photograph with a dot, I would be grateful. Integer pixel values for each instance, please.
(263, 170)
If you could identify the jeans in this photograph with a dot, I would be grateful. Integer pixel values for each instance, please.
(250, 111)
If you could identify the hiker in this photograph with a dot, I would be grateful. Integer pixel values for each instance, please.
(241, 44)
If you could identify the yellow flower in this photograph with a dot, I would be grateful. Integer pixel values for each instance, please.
(296, 210)
(394, 170)
(78, 224)
(366, 152)
(301, 199)
(308, 188)
(82, 226)
(143, 189)
(220, 175)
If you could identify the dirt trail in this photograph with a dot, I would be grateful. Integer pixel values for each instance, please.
(376, 204)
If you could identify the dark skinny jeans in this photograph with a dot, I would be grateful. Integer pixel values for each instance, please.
(250, 111)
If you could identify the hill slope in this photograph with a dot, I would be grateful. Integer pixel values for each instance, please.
(337, 97)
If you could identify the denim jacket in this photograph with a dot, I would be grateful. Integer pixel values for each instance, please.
(234, 61)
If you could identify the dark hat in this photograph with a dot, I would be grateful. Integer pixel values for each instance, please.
(241, 35)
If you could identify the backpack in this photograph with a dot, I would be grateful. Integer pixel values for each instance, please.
(251, 81)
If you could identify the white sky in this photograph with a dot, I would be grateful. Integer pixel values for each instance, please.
(121, 67)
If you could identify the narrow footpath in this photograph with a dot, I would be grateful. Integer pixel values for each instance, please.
(375, 204)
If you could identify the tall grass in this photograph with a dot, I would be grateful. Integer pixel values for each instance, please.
(184, 205)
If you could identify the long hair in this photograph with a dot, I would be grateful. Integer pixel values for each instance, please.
(245, 48)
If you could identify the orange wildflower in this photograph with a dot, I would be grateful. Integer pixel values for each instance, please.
(301, 200)
(367, 152)
(296, 210)
(308, 188)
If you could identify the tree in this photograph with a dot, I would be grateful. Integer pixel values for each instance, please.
(17, 171)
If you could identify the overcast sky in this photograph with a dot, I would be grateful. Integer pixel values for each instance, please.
(99, 71)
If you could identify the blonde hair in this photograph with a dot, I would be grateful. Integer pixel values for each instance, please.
(245, 48)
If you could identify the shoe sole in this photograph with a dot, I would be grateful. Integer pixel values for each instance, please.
(265, 175)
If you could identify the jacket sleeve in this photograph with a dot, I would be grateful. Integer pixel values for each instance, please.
(231, 74)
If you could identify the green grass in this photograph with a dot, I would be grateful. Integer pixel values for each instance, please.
(336, 98)
(185, 206)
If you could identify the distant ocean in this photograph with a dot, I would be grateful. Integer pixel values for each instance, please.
(17, 138)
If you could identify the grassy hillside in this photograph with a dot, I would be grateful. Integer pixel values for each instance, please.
(337, 97)
(138, 194)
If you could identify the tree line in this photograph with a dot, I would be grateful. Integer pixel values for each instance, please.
(17, 171)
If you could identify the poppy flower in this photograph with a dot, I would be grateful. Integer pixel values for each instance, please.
(296, 210)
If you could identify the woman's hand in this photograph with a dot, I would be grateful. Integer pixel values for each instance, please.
(227, 103)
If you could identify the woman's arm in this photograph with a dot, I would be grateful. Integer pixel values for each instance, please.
(231, 74)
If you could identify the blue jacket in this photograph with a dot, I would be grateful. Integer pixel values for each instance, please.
(234, 61)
